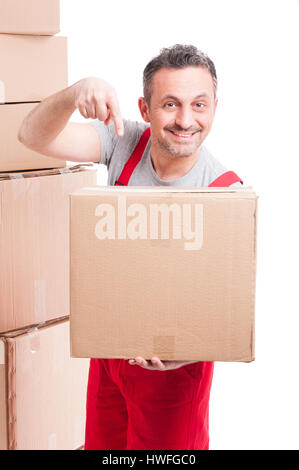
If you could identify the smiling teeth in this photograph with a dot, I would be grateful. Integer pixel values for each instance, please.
(183, 135)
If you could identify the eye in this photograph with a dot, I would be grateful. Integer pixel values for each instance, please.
(200, 105)
(170, 105)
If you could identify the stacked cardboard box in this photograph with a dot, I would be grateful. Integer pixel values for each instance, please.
(34, 249)
(43, 407)
(32, 67)
(34, 293)
(39, 17)
(42, 390)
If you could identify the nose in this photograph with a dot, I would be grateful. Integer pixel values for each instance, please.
(184, 117)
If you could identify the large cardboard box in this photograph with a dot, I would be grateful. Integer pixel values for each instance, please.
(42, 390)
(166, 272)
(30, 16)
(32, 67)
(14, 156)
(34, 244)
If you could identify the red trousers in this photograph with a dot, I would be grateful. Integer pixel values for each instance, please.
(129, 407)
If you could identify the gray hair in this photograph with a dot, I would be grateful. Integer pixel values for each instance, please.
(176, 57)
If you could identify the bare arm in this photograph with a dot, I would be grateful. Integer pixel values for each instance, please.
(47, 130)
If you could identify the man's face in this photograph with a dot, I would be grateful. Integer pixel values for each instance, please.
(181, 110)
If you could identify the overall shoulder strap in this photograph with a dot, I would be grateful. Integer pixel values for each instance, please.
(134, 159)
(226, 179)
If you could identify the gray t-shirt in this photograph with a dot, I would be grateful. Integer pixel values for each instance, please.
(115, 151)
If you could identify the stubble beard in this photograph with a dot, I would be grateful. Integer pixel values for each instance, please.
(177, 150)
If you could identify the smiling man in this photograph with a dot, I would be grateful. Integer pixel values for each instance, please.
(142, 403)
(180, 109)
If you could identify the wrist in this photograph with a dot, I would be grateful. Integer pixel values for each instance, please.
(69, 98)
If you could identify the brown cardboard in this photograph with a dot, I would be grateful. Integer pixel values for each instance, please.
(178, 295)
(30, 16)
(34, 244)
(42, 391)
(32, 67)
(14, 156)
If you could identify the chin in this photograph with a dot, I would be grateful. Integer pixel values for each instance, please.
(182, 154)
(182, 150)
(179, 149)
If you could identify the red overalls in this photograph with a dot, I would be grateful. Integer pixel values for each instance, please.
(129, 407)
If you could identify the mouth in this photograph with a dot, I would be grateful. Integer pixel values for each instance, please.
(183, 136)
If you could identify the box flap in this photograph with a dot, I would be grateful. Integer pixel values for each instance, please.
(161, 190)
(47, 172)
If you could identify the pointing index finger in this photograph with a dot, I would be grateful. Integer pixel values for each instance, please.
(119, 126)
(116, 116)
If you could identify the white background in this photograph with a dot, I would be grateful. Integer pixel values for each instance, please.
(254, 45)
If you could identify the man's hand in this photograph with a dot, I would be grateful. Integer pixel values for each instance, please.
(96, 99)
(156, 364)
(47, 130)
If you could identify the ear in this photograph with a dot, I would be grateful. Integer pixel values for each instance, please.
(216, 102)
(143, 108)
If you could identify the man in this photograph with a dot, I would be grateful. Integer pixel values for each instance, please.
(142, 404)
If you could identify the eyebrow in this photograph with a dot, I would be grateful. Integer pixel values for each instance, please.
(173, 97)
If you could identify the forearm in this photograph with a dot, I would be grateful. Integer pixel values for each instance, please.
(47, 119)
